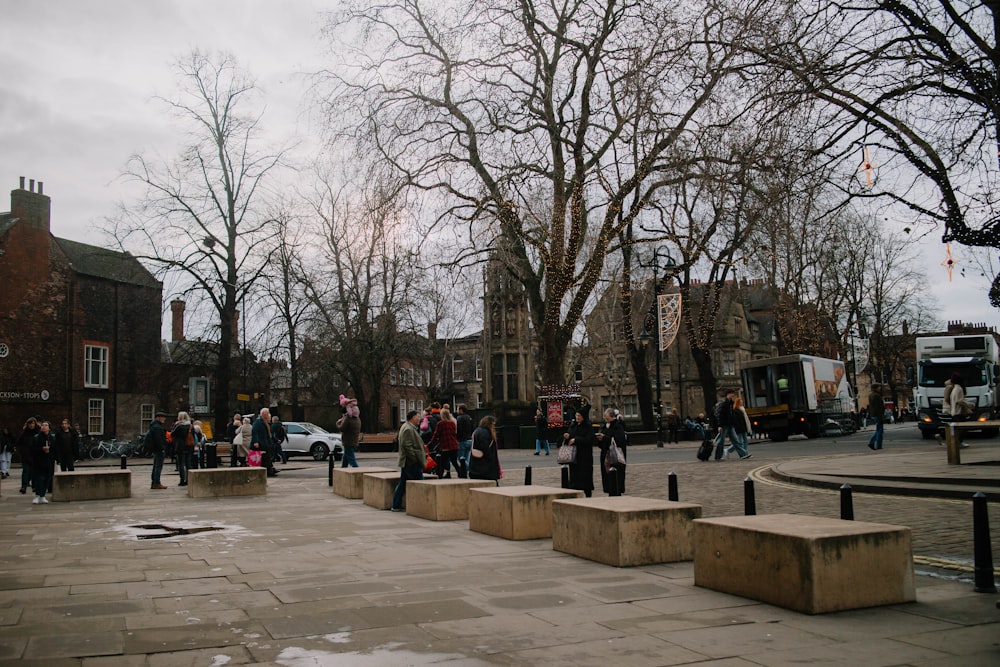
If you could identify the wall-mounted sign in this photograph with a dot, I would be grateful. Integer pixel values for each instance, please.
(198, 394)
(42, 395)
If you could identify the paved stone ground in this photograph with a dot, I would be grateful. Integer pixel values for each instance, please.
(303, 578)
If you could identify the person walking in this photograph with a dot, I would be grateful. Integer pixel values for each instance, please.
(182, 436)
(726, 417)
(232, 431)
(613, 430)
(445, 438)
(463, 431)
(43, 446)
(278, 438)
(411, 458)
(260, 439)
(581, 435)
(23, 445)
(350, 437)
(156, 438)
(876, 409)
(244, 438)
(6, 451)
(67, 443)
(485, 461)
(742, 427)
(673, 426)
(541, 432)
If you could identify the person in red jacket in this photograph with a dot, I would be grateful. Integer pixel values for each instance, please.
(446, 438)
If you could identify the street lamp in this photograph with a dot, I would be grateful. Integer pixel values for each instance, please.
(645, 337)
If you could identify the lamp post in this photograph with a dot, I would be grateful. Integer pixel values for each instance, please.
(645, 337)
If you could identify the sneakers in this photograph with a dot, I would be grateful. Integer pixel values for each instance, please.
(871, 446)
(34, 501)
(748, 456)
(43, 500)
(396, 509)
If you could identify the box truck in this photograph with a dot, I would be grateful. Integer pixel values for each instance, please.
(974, 358)
(797, 393)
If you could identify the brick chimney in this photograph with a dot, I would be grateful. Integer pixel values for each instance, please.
(432, 330)
(177, 322)
(32, 207)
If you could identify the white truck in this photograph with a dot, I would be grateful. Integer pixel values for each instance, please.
(975, 358)
(797, 393)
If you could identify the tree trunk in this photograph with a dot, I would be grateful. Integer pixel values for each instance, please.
(706, 376)
(644, 391)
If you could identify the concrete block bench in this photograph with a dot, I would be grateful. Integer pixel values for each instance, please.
(379, 487)
(442, 499)
(349, 482)
(222, 482)
(624, 531)
(806, 563)
(92, 485)
(515, 512)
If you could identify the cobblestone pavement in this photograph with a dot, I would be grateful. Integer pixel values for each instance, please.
(942, 528)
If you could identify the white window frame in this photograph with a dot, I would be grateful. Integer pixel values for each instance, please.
(409, 373)
(578, 373)
(402, 410)
(95, 416)
(729, 363)
(392, 375)
(420, 378)
(479, 369)
(95, 359)
(458, 369)
(630, 406)
(145, 416)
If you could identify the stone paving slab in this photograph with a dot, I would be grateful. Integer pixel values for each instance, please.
(320, 580)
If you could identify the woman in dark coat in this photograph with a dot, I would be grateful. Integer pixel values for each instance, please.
(23, 446)
(484, 462)
(43, 448)
(581, 433)
(612, 482)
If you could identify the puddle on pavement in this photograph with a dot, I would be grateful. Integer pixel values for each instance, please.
(170, 531)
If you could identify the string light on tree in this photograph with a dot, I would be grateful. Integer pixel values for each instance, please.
(949, 262)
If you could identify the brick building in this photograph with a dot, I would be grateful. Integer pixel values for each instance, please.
(79, 327)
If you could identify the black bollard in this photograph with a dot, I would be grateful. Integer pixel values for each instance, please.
(749, 498)
(329, 473)
(124, 462)
(527, 475)
(565, 477)
(981, 545)
(846, 503)
(672, 487)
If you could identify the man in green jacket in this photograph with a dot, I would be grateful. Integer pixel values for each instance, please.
(411, 457)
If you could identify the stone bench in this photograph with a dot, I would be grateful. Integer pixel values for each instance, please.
(515, 512)
(379, 487)
(442, 499)
(349, 482)
(806, 563)
(223, 482)
(92, 485)
(624, 531)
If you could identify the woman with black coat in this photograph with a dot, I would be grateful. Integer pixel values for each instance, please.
(43, 449)
(23, 446)
(581, 434)
(484, 461)
(613, 481)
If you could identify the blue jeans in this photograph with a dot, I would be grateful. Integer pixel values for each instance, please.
(876, 440)
(350, 458)
(539, 443)
(157, 467)
(741, 443)
(721, 439)
(415, 471)
(465, 452)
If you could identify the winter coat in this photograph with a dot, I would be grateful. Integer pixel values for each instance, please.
(486, 466)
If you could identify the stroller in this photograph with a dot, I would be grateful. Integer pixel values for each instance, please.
(433, 465)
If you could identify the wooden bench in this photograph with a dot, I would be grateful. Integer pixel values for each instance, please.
(91, 485)
(806, 563)
(442, 499)
(515, 512)
(225, 482)
(349, 482)
(624, 531)
(951, 439)
(379, 488)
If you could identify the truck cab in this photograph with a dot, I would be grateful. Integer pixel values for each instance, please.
(974, 358)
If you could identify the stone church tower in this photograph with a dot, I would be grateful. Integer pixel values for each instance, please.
(509, 365)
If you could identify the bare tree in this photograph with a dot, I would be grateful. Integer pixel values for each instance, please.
(911, 87)
(361, 287)
(203, 214)
(497, 106)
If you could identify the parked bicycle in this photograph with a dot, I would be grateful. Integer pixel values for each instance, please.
(113, 448)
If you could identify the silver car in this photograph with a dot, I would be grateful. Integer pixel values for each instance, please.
(307, 438)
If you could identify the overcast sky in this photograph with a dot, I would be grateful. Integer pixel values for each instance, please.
(78, 80)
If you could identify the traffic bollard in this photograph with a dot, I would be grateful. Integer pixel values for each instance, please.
(749, 498)
(527, 475)
(846, 503)
(985, 582)
(329, 472)
(672, 486)
(124, 462)
(565, 477)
